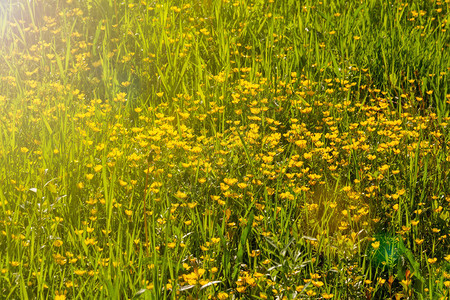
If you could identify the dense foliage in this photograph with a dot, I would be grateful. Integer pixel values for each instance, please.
(224, 149)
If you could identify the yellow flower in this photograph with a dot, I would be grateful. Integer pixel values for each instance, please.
(406, 282)
(222, 296)
(14, 263)
(57, 243)
(24, 150)
(200, 272)
(307, 155)
(80, 272)
(317, 283)
(180, 195)
(203, 281)
(346, 189)
(432, 260)
(376, 245)
(90, 241)
(242, 185)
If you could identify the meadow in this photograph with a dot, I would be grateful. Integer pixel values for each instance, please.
(224, 149)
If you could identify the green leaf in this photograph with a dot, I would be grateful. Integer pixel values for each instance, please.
(414, 264)
(244, 237)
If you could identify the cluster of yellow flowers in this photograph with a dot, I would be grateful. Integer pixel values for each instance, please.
(219, 182)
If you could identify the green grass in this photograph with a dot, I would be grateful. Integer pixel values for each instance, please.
(221, 150)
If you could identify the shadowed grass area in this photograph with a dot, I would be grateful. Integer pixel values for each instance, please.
(223, 149)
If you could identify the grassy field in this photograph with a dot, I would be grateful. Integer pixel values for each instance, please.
(224, 149)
